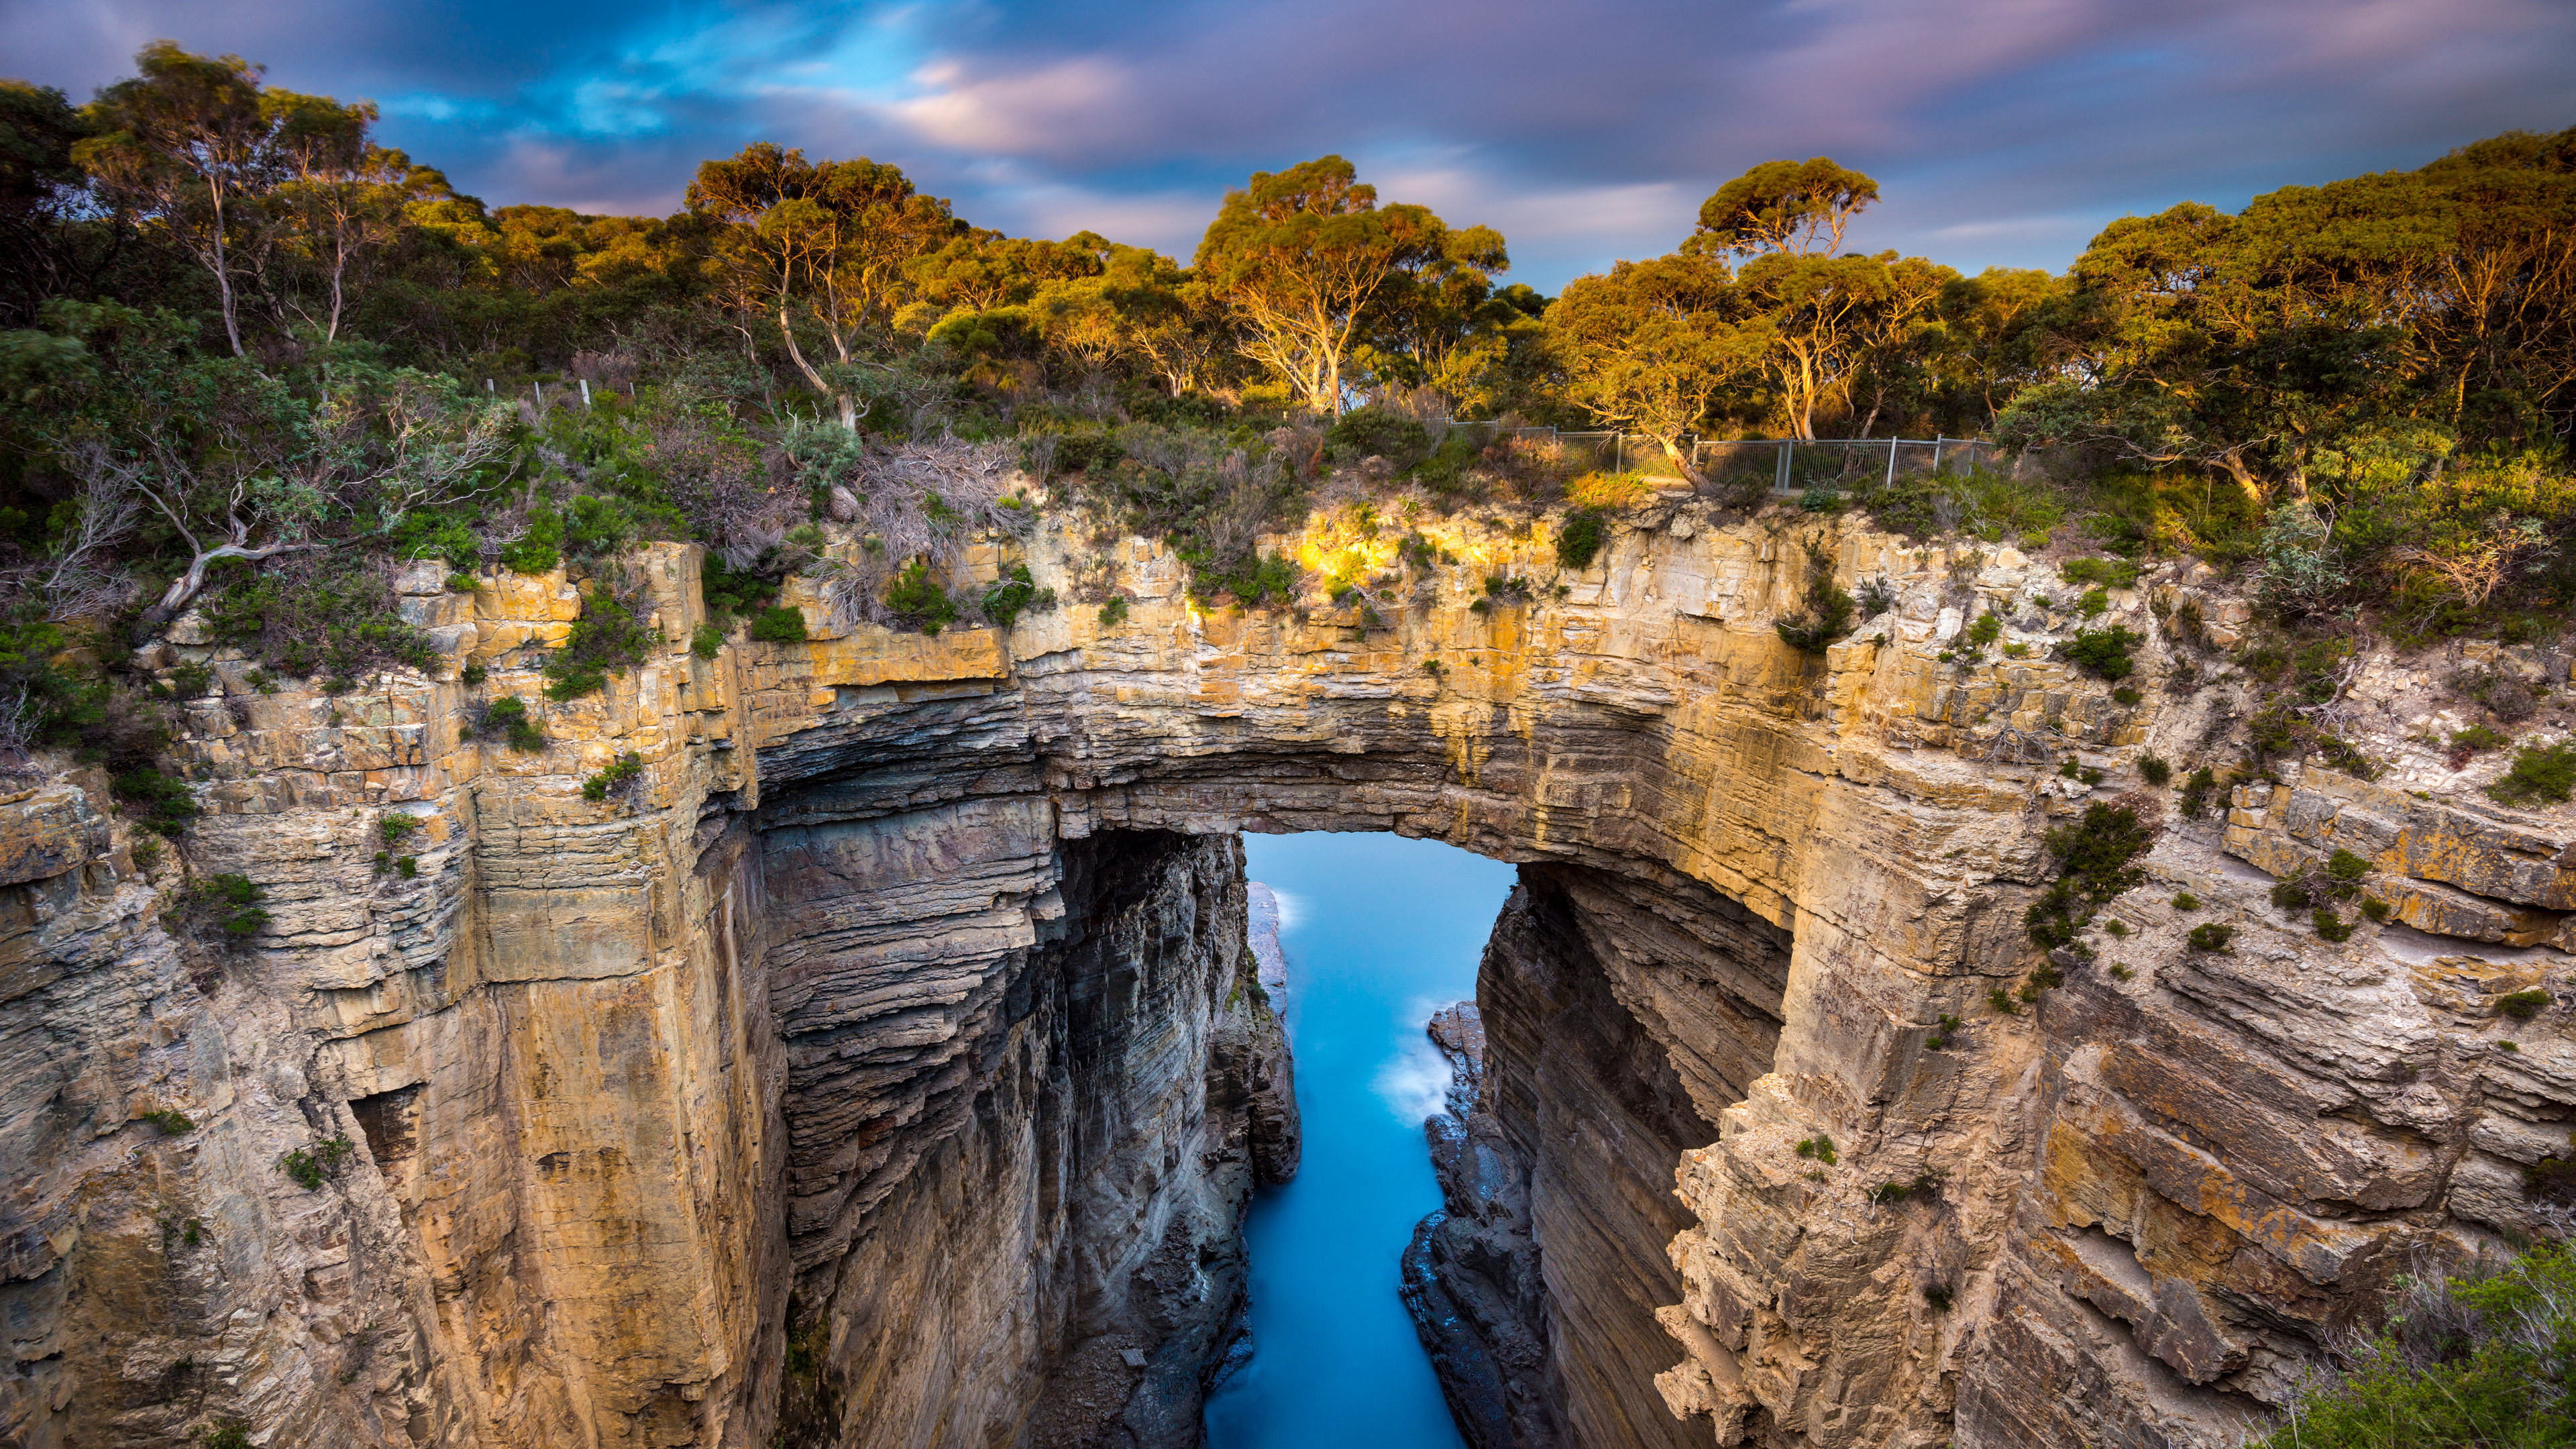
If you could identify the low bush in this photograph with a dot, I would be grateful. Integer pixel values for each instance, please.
(916, 598)
(2112, 572)
(1013, 594)
(1828, 612)
(508, 721)
(2332, 927)
(310, 1166)
(2154, 771)
(607, 639)
(782, 624)
(622, 777)
(2523, 1005)
(1580, 541)
(1819, 1147)
(706, 641)
(2210, 937)
(2480, 1357)
(2104, 653)
(163, 802)
(1113, 613)
(2093, 860)
(2539, 773)
(223, 909)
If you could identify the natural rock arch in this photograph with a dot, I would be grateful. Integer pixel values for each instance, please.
(847, 1013)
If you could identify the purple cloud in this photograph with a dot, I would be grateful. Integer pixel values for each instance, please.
(2001, 130)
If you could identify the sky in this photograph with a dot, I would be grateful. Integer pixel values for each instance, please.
(2001, 132)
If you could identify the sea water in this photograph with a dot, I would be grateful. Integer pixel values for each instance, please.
(1379, 931)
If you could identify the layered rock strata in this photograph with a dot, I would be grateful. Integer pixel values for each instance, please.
(666, 1111)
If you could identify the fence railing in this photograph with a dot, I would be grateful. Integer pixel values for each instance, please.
(1792, 465)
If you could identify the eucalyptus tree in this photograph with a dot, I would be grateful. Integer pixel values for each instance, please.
(1299, 255)
(820, 246)
(1653, 345)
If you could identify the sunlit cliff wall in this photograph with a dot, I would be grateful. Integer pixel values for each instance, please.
(883, 1070)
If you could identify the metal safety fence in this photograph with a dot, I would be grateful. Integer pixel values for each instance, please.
(1740, 465)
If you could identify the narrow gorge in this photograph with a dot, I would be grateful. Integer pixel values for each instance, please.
(887, 1066)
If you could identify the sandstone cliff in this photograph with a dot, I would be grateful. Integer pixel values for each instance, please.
(881, 1064)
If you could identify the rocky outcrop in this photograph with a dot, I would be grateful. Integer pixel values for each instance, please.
(880, 1057)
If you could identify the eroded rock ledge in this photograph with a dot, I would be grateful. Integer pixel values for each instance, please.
(880, 1064)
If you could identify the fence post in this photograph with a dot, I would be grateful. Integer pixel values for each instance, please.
(1891, 462)
(1781, 483)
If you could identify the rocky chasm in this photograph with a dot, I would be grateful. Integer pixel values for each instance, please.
(889, 1068)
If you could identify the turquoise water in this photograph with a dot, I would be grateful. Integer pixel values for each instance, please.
(1378, 931)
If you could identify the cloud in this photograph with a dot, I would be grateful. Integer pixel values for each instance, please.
(2000, 130)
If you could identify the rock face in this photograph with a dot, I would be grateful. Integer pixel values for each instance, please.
(889, 1069)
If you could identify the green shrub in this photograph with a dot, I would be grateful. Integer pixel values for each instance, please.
(2378, 910)
(235, 899)
(2475, 1359)
(1373, 432)
(164, 803)
(2154, 771)
(2540, 772)
(539, 549)
(2291, 895)
(2186, 901)
(621, 778)
(2331, 926)
(507, 720)
(2479, 737)
(2211, 937)
(1828, 611)
(2104, 653)
(1988, 628)
(1253, 578)
(2002, 1001)
(473, 675)
(1113, 613)
(729, 592)
(2345, 867)
(2093, 603)
(341, 621)
(310, 1166)
(2523, 1005)
(607, 639)
(2196, 792)
(1940, 1040)
(395, 826)
(171, 1121)
(226, 1434)
(916, 598)
(706, 641)
(1585, 531)
(2093, 857)
(1007, 597)
(1820, 1147)
(2112, 572)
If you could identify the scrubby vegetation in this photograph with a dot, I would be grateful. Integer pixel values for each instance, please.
(2093, 857)
(2482, 1356)
(218, 395)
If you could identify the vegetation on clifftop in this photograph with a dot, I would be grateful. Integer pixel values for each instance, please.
(255, 390)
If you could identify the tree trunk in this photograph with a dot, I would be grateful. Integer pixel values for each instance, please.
(223, 269)
(1681, 463)
(184, 588)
